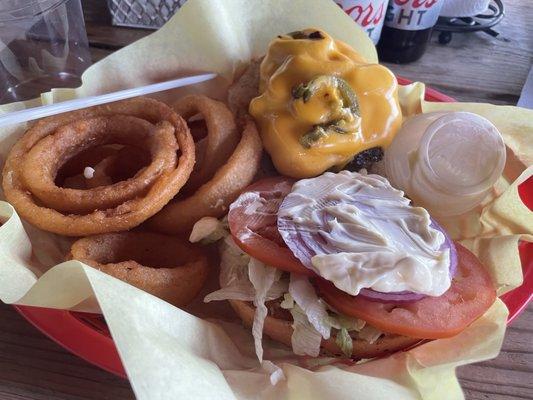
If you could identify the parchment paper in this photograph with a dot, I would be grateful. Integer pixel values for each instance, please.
(169, 353)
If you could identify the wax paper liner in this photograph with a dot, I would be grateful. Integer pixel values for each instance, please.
(170, 353)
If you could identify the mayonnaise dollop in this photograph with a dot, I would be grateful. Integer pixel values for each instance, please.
(365, 234)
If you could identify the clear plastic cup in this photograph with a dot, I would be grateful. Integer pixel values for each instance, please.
(446, 162)
(43, 45)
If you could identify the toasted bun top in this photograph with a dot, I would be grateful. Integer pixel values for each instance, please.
(244, 89)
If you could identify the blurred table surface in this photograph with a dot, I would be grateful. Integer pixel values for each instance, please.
(473, 67)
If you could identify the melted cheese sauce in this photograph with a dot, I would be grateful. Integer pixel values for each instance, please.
(283, 120)
(367, 235)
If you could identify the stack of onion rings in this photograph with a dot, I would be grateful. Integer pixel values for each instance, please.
(43, 160)
(164, 266)
(107, 169)
(29, 182)
(218, 189)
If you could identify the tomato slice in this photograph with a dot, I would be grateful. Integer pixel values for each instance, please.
(253, 224)
(469, 296)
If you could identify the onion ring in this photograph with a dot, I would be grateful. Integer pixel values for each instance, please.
(164, 266)
(75, 182)
(44, 160)
(125, 216)
(222, 136)
(214, 197)
(198, 128)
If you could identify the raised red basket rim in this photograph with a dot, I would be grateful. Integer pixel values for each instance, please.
(86, 335)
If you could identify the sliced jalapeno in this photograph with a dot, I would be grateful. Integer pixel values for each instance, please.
(350, 107)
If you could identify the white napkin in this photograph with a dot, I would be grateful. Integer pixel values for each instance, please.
(463, 8)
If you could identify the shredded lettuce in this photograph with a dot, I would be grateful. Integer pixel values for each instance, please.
(288, 301)
(262, 278)
(305, 296)
(339, 321)
(344, 341)
(233, 263)
(247, 279)
(370, 334)
(305, 339)
(209, 230)
(302, 301)
(234, 278)
(276, 373)
(242, 291)
(234, 281)
(244, 278)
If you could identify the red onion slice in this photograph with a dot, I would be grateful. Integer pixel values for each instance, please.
(305, 244)
(391, 297)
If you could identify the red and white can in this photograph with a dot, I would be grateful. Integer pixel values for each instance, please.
(413, 15)
(369, 14)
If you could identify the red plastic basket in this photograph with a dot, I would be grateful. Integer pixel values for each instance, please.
(87, 335)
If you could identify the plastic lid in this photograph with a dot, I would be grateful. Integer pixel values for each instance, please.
(463, 153)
